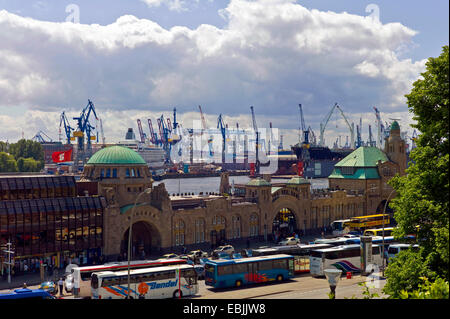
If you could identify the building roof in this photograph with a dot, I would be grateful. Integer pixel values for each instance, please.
(297, 180)
(360, 164)
(395, 126)
(118, 155)
(363, 157)
(258, 182)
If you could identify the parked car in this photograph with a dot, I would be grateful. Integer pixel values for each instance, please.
(224, 249)
(289, 241)
(197, 254)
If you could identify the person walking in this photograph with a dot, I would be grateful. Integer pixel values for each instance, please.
(61, 286)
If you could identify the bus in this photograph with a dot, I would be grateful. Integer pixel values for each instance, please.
(346, 258)
(300, 252)
(222, 273)
(362, 222)
(333, 241)
(82, 275)
(25, 293)
(174, 281)
(338, 227)
(379, 231)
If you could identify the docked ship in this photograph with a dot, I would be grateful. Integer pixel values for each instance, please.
(321, 159)
(153, 155)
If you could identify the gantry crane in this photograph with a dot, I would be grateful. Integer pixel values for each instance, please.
(204, 129)
(83, 126)
(40, 138)
(63, 121)
(222, 127)
(324, 124)
(255, 129)
(350, 127)
(141, 132)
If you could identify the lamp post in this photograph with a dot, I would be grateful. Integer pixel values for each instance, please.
(146, 191)
(384, 212)
(332, 276)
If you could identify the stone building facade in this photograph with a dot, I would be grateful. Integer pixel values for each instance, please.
(259, 210)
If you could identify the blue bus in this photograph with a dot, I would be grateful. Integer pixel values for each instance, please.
(222, 273)
(25, 293)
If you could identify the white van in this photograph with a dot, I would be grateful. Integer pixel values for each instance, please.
(394, 249)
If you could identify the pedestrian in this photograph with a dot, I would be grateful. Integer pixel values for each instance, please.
(61, 286)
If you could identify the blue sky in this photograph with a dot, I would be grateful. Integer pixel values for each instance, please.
(223, 55)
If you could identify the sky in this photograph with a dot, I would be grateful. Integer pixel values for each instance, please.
(138, 59)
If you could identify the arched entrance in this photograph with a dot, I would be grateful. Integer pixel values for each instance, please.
(145, 241)
(284, 224)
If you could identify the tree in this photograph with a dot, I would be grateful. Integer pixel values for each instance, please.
(7, 163)
(28, 149)
(422, 202)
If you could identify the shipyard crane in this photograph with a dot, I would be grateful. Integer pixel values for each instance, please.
(204, 128)
(39, 137)
(141, 132)
(350, 127)
(255, 129)
(222, 127)
(371, 142)
(153, 136)
(305, 156)
(305, 132)
(313, 136)
(380, 128)
(84, 126)
(164, 131)
(324, 124)
(67, 128)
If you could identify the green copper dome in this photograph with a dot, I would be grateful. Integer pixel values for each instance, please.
(118, 155)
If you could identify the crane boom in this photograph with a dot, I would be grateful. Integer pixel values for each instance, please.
(255, 128)
(350, 127)
(303, 127)
(141, 132)
(323, 125)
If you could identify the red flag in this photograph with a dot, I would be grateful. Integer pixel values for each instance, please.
(300, 168)
(64, 156)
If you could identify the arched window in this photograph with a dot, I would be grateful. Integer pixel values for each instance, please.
(179, 232)
(254, 225)
(236, 227)
(200, 230)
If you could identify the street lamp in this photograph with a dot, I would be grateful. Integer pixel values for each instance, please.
(146, 191)
(384, 212)
(332, 276)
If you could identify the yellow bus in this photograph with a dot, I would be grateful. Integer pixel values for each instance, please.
(363, 222)
(379, 231)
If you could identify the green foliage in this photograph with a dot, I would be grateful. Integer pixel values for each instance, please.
(428, 290)
(24, 156)
(423, 193)
(7, 163)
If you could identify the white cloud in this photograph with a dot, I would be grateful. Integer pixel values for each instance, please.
(272, 54)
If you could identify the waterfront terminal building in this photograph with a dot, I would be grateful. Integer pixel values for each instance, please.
(116, 190)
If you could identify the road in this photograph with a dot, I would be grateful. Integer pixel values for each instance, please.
(300, 287)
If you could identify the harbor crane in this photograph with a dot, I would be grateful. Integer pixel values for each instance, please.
(153, 136)
(255, 129)
(305, 131)
(380, 128)
(63, 121)
(324, 124)
(204, 129)
(83, 126)
(305, 142)
(39, 137)
(222, 127)
(350, 127)
(141, 132)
